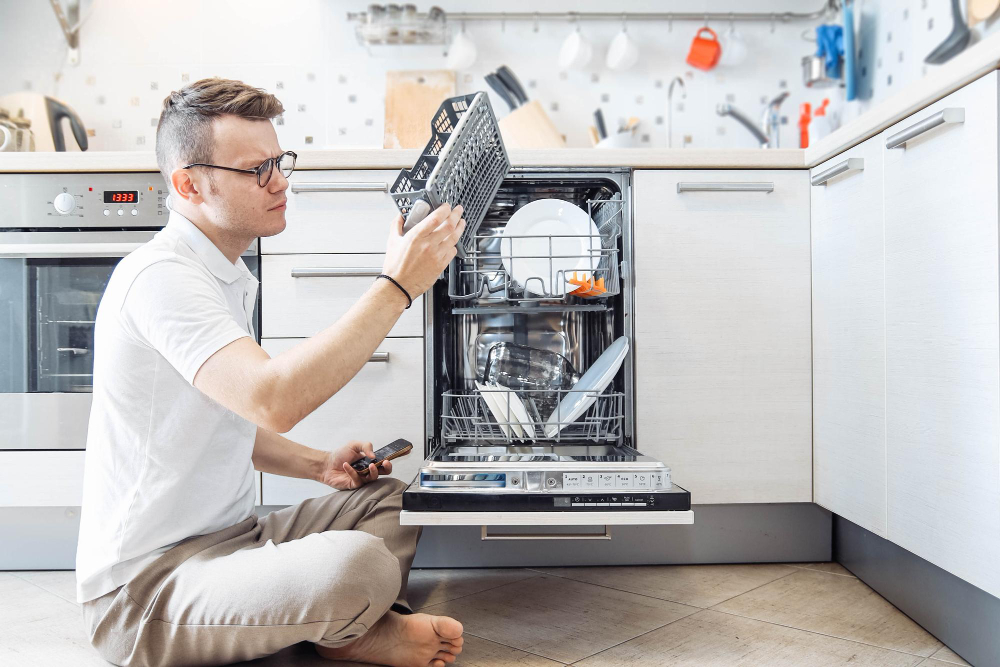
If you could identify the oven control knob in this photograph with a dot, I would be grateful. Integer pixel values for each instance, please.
(64, 203)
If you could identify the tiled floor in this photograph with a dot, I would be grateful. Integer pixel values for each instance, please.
(703, 615)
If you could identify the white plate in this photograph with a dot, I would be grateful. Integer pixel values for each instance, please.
(520, 413)
(499, 414)
(594, 381)
(533, 263)
(501, 397)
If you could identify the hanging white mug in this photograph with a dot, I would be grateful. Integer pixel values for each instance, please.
(576, 52)
(623, 52)
(462, 52)
(734, 48)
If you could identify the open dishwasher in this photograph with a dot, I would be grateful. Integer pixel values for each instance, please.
(540, 464)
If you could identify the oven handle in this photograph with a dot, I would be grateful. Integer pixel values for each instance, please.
(550, 536)
(60, 250)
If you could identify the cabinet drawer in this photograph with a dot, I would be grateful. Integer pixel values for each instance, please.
(722, 331)
(383, 402)
(303, 294)
(849, 336)
(41, 479)
(337, 212)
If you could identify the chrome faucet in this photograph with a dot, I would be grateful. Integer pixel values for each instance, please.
(767, 133)
(670, 107)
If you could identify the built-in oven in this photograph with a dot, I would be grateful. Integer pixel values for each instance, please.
(61, 236)
(520, 429)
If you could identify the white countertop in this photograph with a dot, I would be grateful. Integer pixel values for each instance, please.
(973, 63)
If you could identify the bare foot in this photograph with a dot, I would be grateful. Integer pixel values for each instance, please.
(414, 640)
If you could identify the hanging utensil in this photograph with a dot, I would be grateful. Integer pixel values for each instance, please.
(953, 43)
(980, 10)
(599, 124)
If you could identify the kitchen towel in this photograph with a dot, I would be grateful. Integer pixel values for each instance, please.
(850, 62)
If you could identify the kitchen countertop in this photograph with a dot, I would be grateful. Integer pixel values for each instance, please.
(971, 64)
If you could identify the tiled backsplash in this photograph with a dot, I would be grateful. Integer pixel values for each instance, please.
(304, 51)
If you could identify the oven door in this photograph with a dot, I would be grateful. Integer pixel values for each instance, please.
(50, 286)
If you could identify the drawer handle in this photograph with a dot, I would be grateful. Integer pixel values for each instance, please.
(339, 187)
(550, 536)
(379, 358)
(850, 164)
(725, 187)
(942, 117)
(323, 272)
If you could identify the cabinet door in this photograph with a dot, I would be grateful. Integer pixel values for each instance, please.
(303, 294)
(943, 338)
(722, 335)
(383, 402)
(347, 211)
(849, 338)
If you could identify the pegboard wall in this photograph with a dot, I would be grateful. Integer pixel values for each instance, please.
(305, 52)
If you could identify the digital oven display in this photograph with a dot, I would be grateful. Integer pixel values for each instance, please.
(121, 196)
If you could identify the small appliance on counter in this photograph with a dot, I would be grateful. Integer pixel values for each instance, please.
(43, 116)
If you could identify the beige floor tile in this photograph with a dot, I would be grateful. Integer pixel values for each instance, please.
(695, 585)
(427, 587)
(58, 582)
(38, 628)
(831, 568)
(947, 655)
(837, 606)
(710, 638)
(931, 662)
(559, 618)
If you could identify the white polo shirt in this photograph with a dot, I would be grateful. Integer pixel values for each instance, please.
(164, 462)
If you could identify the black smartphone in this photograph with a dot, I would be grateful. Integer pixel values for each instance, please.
(394, 449)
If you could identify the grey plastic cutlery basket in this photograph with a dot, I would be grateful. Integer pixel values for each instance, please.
(464, 163)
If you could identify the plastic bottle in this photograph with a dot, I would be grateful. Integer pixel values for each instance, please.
(821, 121)
(804, 110)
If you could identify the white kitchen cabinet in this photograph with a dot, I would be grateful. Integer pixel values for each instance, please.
(722, 331)
(41, 479)
(942, 311)
(344, 211)
(383, 402)
(303, 294)
(849, 474)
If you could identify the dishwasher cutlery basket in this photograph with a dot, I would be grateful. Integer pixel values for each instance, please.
(464, 164)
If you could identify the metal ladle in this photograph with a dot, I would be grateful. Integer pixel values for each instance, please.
(953, 43)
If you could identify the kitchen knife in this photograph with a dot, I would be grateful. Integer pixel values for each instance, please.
(507, 77)
(497, 85)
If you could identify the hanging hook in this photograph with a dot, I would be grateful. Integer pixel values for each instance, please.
(503, 22)
(536, 22)
(624, 20)
(732, 21)
(670, 22)
(463, 27)
(772, 21)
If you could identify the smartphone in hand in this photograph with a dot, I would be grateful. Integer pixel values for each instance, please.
(393, 450)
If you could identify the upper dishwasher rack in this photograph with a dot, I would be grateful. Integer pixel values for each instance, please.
(483, 275)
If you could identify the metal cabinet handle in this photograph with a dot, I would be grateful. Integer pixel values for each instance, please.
(943, 117)
(323, 272)
(59, 250)
(550, 536)
(725, 187)
(379, 357)
(339, 187)
(850, 164)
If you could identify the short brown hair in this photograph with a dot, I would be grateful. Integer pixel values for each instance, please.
(184, 133)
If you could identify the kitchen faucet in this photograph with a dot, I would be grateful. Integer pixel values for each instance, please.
(670, 107)
(770, 120)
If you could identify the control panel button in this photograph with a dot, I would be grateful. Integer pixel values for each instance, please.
(589, 480)
(121, 212)
(642, 480)
(624, 480)
(572, 480)
(606, 480)
(64, 203)
(107, 212)
(135, 211)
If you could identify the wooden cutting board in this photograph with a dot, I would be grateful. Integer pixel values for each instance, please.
(411, 99)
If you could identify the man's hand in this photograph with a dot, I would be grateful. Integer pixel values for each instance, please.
(417, 258)
(338, 472)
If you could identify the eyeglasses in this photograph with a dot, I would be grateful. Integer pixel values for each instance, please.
(285, 163)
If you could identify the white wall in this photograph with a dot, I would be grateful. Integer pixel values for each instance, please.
(134, 52)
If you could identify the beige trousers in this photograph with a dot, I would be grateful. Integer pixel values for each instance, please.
(321, 571)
